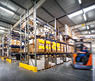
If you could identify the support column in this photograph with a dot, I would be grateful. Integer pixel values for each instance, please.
(35, 28)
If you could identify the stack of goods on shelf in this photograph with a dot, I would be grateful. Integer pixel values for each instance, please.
(48, 46)
(15, 43)
(40, 62)
(62, 48)
(58, 47)
(15, 46)
(53, 47)
(70, 47)
(39, 46)
(68, 30)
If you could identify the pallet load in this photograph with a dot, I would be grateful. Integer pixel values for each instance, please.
(40, 48)
(13, 42)
(62, 48)
(40, 63)
(70, 49)
(15, 46)
(58, 47)
(53, 47)
(17, 42)
(48, 46)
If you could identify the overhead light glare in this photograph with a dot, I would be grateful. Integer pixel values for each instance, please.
(84, 16)
(80, 2)
(6, 10)
(81, 12)
(93, 31)
(89, 8)
(89, 32)
(87, 27)
(2, 28)
(75, 14)
(2, 31)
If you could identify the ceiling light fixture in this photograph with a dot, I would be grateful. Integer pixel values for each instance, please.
(3, 28)
(75, 14)
(89, 32)
(93, 31)
(87, 27)
(2, 31)
(6, 10)
(89, 8)
(84, 16)
(81, 12)
(80, 2)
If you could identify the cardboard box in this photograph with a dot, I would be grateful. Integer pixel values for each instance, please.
(13, 42)
(58, 48)
(48, 46)
(62, 48)
(53, 47)
(17, 42)
(40, 46)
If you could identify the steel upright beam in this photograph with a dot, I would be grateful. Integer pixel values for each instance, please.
(25, 37)
(35, 27)
(55, 28)
(55, 39)
(20, 38)
(3, 45)
(28, 31)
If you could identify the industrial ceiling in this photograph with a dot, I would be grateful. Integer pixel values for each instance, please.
(51, 9)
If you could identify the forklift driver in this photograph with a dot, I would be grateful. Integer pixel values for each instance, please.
(83, 55)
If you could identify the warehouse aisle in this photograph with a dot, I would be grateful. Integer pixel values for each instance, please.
(10, 72)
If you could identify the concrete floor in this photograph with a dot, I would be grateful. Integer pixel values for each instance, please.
(11, 72)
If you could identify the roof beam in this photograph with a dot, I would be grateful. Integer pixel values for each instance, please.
(44, 20)
(60, 16)
(26, 9)
(81, 25)
(5, 21)
(18, 4)
(50, 14)
(30, 11)
(9, 9)
(87, 30)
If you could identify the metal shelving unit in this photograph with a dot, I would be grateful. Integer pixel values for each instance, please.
(23, 36)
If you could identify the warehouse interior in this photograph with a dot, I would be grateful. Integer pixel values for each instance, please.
(47, 40)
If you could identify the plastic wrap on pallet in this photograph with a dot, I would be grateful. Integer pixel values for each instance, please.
(40, 63)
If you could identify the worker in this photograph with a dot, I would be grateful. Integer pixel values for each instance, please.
(81, 54)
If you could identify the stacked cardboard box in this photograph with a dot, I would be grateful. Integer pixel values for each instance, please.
(70, 49)
(40, 48)
(65, 48)
(62, 48)
(13, 42)
(48, 46)
(58, 47)
(17, 42)
(54, 47)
